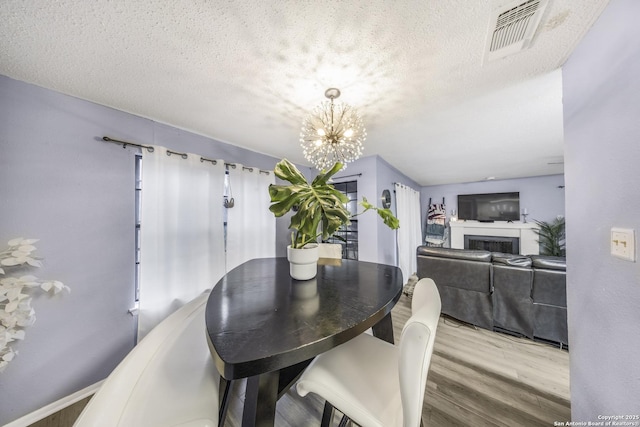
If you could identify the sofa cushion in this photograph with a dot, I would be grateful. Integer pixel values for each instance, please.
(550, 323)
(472, 307)
(549, 287)
(512, 303)
(511, 260)
(466, 254)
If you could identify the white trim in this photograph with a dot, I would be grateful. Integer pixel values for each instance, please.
(54, 407)
(524, 231)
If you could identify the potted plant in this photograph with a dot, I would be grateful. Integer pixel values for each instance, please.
(319, 212)
(551, 237)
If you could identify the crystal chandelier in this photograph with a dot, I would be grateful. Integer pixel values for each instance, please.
(333, 132)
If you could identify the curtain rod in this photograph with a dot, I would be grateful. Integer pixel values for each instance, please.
(405, 186)
(183, 155)
(125, 143)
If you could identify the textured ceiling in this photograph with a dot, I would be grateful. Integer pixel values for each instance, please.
(248, 72)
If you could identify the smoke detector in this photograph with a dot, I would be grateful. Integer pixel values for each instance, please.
(512, 28)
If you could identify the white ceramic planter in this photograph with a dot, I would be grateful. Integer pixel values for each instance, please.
(303, 263)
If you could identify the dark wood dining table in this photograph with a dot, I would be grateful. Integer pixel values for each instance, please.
(264, 326)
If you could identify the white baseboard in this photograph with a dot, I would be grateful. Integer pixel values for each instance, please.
(54, 407)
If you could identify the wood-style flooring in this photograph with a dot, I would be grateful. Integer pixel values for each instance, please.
(477, 378)
(64, 418)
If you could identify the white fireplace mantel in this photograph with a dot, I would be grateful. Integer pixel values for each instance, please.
(524, 231)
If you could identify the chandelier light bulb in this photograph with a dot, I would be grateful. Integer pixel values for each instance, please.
(340, 129)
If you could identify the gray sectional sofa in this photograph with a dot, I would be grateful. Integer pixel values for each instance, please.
(517, 294)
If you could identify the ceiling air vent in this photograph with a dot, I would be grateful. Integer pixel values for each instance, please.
(512, 28)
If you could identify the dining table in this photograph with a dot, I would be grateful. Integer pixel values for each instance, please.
(266, 327)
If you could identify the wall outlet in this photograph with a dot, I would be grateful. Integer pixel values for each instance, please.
(623, 243)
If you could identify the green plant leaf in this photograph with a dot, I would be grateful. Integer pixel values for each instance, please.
(389, 219)
(551, 237)
(286, 199)
(387, 216)
(321, 209)
(323, 178)
(287, 171)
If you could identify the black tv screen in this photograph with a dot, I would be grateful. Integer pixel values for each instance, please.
(489, 207)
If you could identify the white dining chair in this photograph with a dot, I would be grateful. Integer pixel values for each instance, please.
(373, 382)
(330, 250)
(168, 380)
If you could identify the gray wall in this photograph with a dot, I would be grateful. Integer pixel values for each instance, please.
(541, 195)
(387, 175)
(61, 184)
(602, 152)
(376, 241)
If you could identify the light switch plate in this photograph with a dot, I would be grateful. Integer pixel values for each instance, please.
(623, 243)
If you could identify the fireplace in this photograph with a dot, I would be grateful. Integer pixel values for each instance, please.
(509, 245)
(524, 231)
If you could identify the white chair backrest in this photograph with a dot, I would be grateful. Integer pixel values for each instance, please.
(330, 250)
(168, 379)
(416, 348)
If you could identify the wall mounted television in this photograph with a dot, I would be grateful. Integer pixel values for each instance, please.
(489, 207)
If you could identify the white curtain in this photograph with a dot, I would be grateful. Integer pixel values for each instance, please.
(181, 232)
(410, 231)
(251, 227)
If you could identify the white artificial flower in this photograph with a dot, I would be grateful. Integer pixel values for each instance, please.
(19, 241)
(16, 312)
(19, 253)
(8, 357)
(16, 297)
(26, 248)
(15, 335)
(27, 320)
(23, 316)
(9, 335)
(26, 315)
(56, 285)
(28, 281)
(4, 336)
(22, 281)
(9, 282)
(5, 357)
(19, 258)
(7, 320)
